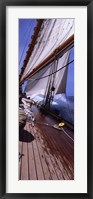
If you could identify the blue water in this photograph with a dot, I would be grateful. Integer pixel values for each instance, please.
(62, 105)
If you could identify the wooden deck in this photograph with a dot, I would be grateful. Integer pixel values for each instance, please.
(45, 153)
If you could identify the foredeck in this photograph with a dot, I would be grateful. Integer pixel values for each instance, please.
(45, 153)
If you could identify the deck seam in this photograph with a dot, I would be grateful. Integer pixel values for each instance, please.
(28, 155)
(39, 156)
(21, 160)
(61, 154)
(45, 158)
(52, 164)
(34, 158)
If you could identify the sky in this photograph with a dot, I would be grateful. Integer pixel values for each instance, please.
(70, 75)
(26, 30)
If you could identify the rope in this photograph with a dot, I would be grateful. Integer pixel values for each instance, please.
(41, 46)
(25, 43)
(24, 34)
(49, 94)
(69, 110)
(62, 129)
(67, 134)
(54, 72)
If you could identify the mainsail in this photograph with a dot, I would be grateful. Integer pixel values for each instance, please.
(39, 82)
(50, 53)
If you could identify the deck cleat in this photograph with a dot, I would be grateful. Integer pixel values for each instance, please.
(59, 126)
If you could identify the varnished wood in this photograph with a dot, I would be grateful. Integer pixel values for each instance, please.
(48, 154)
(31, 46)
(63, 47)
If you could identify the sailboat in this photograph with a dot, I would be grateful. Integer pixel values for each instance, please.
(45, 69)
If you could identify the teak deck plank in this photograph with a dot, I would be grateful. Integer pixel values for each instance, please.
(46, 172)
(24, 163)
(54, 155)
(48, 158)
(31, 162)
(55, 166)
(39, 169)
(48, 154)
(20, 152)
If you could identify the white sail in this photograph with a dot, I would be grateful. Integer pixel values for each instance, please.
(36, 86)
(47, 67)
(37, 83)
(52, 34)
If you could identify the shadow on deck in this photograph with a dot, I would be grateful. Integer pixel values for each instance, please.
(25, 136)
(47, 153)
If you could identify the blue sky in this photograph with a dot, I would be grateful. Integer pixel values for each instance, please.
(26, 30)
(70, 76)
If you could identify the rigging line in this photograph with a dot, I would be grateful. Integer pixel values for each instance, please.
(54, 77)
(25, 43)
(53, 72)
(62, 129)
(70, 115)
(49, 93)
(24, 34)
(35, 51)
(40, 43)
(48, 80)
(66, 134)
(40, 46)
(64, 62)
(55, 44)
(39, 39)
